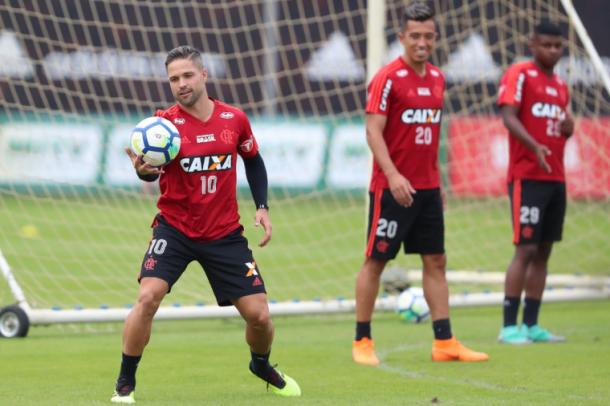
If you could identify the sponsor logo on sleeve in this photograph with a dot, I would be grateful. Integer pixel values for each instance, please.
(402, 73)
(384, 95)
(179, 121)
(519, 89)
(227, 115)
(434, 73)
(247, 145)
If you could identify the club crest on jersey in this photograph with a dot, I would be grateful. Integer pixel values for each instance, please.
(434, 73)
(205, 138)
(547, 110)
(227, 136)
(179, 121)
(402, 73)
(421, 116)
(532, 72)
(423, 91)
(551, 91)
(206, 163)
(227, 115)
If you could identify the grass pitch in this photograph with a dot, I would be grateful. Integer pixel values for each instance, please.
(85, 251)
(205, 363)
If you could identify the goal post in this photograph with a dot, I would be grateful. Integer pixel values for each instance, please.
(76, 77)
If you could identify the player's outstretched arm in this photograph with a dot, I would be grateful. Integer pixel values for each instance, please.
(400, 187)
(256, 173)
(513, 124)
(145, 171)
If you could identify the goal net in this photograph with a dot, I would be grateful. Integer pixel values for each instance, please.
(76, 76)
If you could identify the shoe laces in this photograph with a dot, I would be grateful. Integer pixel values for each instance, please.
(274, 377)
(124, 388)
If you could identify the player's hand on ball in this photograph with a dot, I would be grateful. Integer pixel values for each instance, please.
(542, 151)
(140, 166)
(567, 125)
(262, 218)
(401, 189)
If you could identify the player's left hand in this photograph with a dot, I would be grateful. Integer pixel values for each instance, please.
(262, 218)
(567, 125)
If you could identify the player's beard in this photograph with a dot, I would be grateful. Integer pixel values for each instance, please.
(191, 100)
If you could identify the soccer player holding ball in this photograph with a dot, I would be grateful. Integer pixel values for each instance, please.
(403, 123)
(198, 221)
(534, 103)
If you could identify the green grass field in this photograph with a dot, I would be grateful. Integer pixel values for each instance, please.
(85, 250)
(205, 363)
(79, 250)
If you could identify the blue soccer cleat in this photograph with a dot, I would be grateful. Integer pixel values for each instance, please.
(540, 335)
(514, 335)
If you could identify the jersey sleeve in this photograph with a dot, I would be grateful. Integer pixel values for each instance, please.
(511, 87)
(247, 146)
(378, 94)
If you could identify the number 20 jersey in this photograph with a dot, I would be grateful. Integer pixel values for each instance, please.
(542, 103)
(413, 107)
(198, 188)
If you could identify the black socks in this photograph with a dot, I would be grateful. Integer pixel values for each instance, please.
(510, 310)
(530, 311)
(127, 376)
(442, 329)
(363, 329)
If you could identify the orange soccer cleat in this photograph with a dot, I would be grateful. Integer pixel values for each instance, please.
(453, 350)
(363, 352)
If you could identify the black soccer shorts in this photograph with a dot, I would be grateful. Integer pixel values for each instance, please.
(420, 227)
(538, 210)
(228, 262)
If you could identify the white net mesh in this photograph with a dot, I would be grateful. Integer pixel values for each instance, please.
(77, 75)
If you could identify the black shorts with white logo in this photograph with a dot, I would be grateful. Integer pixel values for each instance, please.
(538, 210)
(228, 262)
(420, 227)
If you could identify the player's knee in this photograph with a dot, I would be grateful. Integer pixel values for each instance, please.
(435, 263)
(526, 253)
(148, 303)
(260, 320)
(373, 266)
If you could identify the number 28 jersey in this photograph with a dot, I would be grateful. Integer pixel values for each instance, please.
(198, 188)
(542, 103)
(413, 107)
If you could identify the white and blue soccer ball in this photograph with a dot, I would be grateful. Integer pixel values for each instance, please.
(156, 139)
(411, 305)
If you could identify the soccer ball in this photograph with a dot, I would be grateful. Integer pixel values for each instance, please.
(156, 139)
(411, 305)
